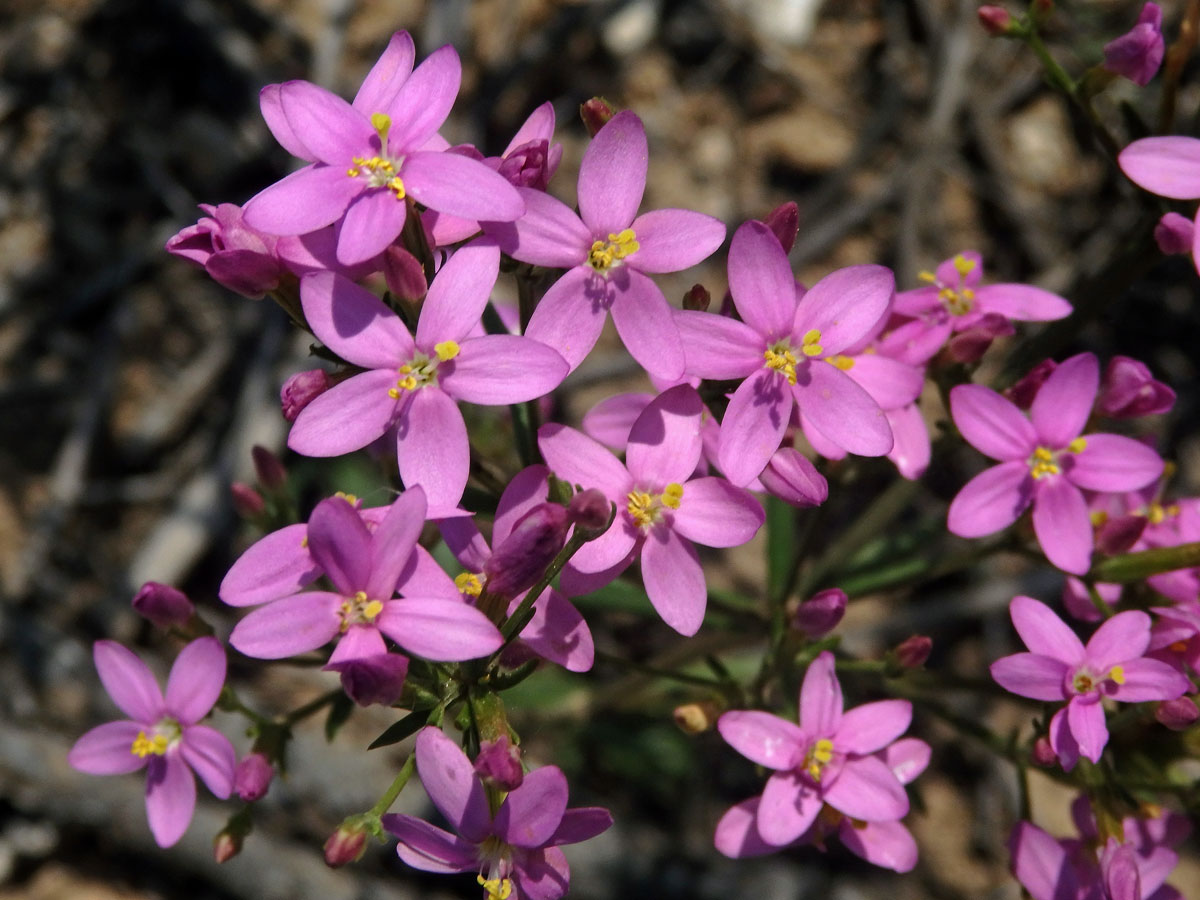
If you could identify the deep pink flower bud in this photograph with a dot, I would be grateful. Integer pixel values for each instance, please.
(1138, 53)
(1043, 754)
(376, 679)
(995, 20)
(820, 613)
(589, 510)
(1023, 392)
(528, 165)
(596, 114)
(697, 298)
(1119, 533)
(235, 255)
(346, 845)
(784, 222)
(163, 605)
(1178, 714)
(252, 777)
(246, 500)
(271, 473)
(1129, 390)
(300, 390)
(404, 274)
(498, 764)
(913, 652)
(523, 556)
(793, 479)
(968, 346)
(1174, 234)
(226, 846)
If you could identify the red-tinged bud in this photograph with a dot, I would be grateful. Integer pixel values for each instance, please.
(696, 718)
(820, 613)
(1129, 390)
(793, 479)
(272, 476)
(498, 764)
(1174, 234)
(697, 298)
(1178, 715)
(346, 845)
(226, 846)
(913, 652)
(1042, 754)
(522, 557)
(163, 605)
(596, 113)
(970, 345)
(252, 777)
(375, 679)
(300, 390)
(784, 222)
(1023, 392)
(248, 502)
(995, 20)
(589, 510)
(404, 274)
(1118, 534)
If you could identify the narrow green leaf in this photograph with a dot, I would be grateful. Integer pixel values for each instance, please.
(409, 725)
(1135, 566)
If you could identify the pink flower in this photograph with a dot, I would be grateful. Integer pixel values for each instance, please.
(1167, 166)
(1060, 668)
(235, 255)
(1138, 53)
(1129, 391)
(1044, 462)
(161, 734)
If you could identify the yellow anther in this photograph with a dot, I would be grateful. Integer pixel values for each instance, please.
(1043, 454)
(352, 172)
(405, 369)
(1043, 463)
(964, 266)
(641, 508)
(1155, 513)
(927, 276)
(845, 363)
(823, 750)
(144, 746)
(812, 343)
(1098, 517)
(446, 350)
(1078, 445)
(304, 541)
(468, 583)
(349, 498)
(967, 294)
(1117, 674)
(603, 254)
(407, 383)
(393, 393)
(396, 186)
(1173, 509)
(948, 294)
(374, 608)
(672, 494)
(497, 888)
(782, 360)
(381, 122)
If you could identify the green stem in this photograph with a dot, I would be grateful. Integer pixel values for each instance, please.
(394, 789)
(699, 680)
(1059, 78)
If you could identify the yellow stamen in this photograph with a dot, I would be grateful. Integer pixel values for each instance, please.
(641, 508)
(963, 266)
(845, 363)
(1117, 674)
(1155, 513)
(927, 276)
(818, 757)
(446, 350)
(468, 583)
(782, 360)
(604, 254)
(349, 498)
(144, 746)
(1042, 463)
(672, 494)
(1098, 517)
(381, 122)
(358, 610)
(812, 343)
(497, 888)
(1078, 445)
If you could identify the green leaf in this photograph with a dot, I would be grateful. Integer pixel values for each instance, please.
(1135, 566)
(339, 712)
(781, 547)
(409, 725)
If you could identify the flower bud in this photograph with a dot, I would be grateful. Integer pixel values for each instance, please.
(234, 255)
(589, 510)
(793, 479)
(368, 680)
(696, 718)
(784, 222)
(404, 274)
(1043, 754)
(522, 557)
(697, 298)
(346, 845)
(1118, 534)
(1138, 53)
(300, 390)
(912, 653)
(248, 502)
(1178, 714)
(1174, 234)
(226, 846)
(252, 777)
(271, 474)
(596, 113)
(820, 613)
(995, 20)
(530, 165)
(1128, 390)
(1023, 392)
(969, 346)
(163, 605)
(498, 764)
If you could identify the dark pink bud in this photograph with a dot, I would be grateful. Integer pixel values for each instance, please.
(252, 777)
(589, 510)
(1043, 754)
(794, 480)
(248, 502)
(499, 764)
(697, 298)
(271, 473)
(346, 845)
(1023, 392)
(1129, 390)
(226, 846)
(522, 557)
(163, 605)
(912, 653)
(1178, 715)
(596, 113)
(528, 165)
(300, 390)
(1174, 234)
(995, 20)
(234, 255)
(404, 274)
(784, 222)
(820, 613)
(1138, 53)
(372, 679)
(969, 346)
(1119, 533)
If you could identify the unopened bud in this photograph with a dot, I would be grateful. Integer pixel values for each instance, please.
(912, 653)
(589, 510)
(792, 478)
(969, 346)
(252, 777)
(300, 390)
(522, 557)
(784, 222)
(248, 502)
(697, 298)
(226, 846)
(346, 845)
(1174, 234)
(1023, 392)
(270, 471)
(404, 274)
(596, 114)
(163, 605)
(995, 20)
(696, 718)
(820, 613)
(1118, 534)
(378, 678)
(1129, 390)
(1043, 754)
(1178, 715)
(499, 764)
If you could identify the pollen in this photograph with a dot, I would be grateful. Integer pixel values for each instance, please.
(1117, 674)
(672, 494)
(1155, 514)
(645, 508)
(812, 343)
(818, 757)
(497, 888)
(927, 276)
(603, 255)
(358, 610)
(144, 746)
(421, 371)
(845, 363)
(349, 498)
(446, 350)
(1078, 445)
(468, 583)
(1043, 463)
(781, 359)
(963, 266)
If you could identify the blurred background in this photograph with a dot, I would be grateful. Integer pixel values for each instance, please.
(132, 388)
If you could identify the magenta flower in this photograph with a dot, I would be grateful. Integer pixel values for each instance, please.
(161, 734)
(1060, 668)
(369, 156)
(788, 351)
(608, 250)
(515, 850)
(1138, 53)
(828, 758)
(1044, 461)
(661, 508)
(1129, 390)
(414, 382)
(234, 255)
(1167, 166)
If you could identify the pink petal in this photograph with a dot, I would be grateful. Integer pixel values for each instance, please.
(992, 500)
(990, 423)
(1062, 524)
(1124, 637)
(393, 541)
(611, 420)
(1112, 462)
(886, 844)
(304, 201)
(907, 758)
(390, 71)
(645, 322)
(452, 785)
(873, 726)
(664, 443)
(580, 824)
(1150, 679)
(1044, 632)
(558, 632)
(612, 175)
(714, 513)
(611, 549)
(821, 698)
(570, 315)
(911, 451)
(671, 240)
(107, 749)
(531, 814)
(430, 849)
(674, 580)
(866, 789)
(460, 186)
(1040, 864)
(432, 448)
(1167, 166)
(577, 459)
(211, 756)
(545, 875)
(793, 479)
(539, 126)
(341, 545)
(334, 132)
(354, 323)
(528, 489)
(549, 234)
(274, 566)
(845, 305)
(754, 424)
(763, 738)
(1062, 741)
(170, 798)
(458, 295)
(289, 627)
(1064, 402)
(373, 221)
(128, 681)
(761, 281)
(787, 809)
(917, 302)
(424, 100)
(1088, 727)
(503, 368)
(842, 411)
(1022, 302)
(196, 680)
(272, 113)
(439, 630)
(1031, 675)
(890, 383)
(717, 347)
(737, 833)
(346, 417)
